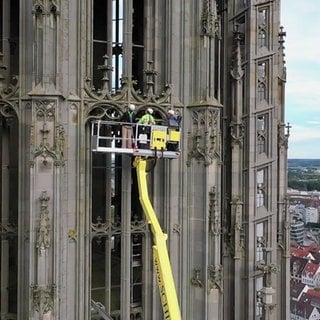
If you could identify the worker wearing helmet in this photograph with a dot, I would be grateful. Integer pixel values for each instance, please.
(173, 122)
(173, 119)
(128, 119)
(144, 130)
(147, 118)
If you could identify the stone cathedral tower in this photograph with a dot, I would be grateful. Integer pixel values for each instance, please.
(75, 243)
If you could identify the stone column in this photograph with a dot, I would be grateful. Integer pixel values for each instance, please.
(237, 137)
(204, 172)
(125, 237)
(4, 223)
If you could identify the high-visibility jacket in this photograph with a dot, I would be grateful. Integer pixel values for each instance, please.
(147, 119)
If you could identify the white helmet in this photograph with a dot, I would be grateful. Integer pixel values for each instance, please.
(132, 107)
(171, 112)
(150, 110)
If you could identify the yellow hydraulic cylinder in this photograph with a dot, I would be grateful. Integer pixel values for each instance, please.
(168, 296)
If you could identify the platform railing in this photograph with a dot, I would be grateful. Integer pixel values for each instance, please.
(122, 137)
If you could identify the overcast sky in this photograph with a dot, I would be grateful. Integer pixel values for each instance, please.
(301, 21)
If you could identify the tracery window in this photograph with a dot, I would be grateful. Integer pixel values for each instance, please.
(262, 134)
(259, 302)
(115, 234)
(107, 240)
(8, 215)
(9, 160)
(262, 78)
(117, 43)
(262, 27)
(261, 199)
(261, 241)
(241, 28)
(9, 36)
(108, 30)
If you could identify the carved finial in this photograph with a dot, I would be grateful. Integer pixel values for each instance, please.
(288, 127)
(209, 23)
(150, 73)
(105, 68)
(237, 71)
(282, 34)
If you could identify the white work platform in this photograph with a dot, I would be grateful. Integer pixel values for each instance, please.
(146, 140)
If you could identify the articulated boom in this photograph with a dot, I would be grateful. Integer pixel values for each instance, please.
(154, 141)
(162, 264)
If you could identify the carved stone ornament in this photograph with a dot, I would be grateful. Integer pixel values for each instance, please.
(8, 229)
(209, 18)
(215, 278)
(268, 268)
(214, 219)
(46, 7)
(43, 234)
(7, 91)
(101, 103)
(72, 234)
(283, 236)
(138, 224)
(8, 95)
(8, 111)
(43, 298)
(283, 135)
(195, 280)
(283, 75)
(204, 140)
(102, 228)
(176, 228)
(237, 234)
(237, 70)
(46, 136)
(237, 134)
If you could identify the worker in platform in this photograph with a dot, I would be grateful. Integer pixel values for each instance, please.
(144, 131)
(128, 119)
(173, 119)
(173, 123)
(147, 118)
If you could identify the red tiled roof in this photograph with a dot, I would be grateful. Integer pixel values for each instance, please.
(305, 306)
(310, 269)
(299, 263)
(296, 289)
(299, 252)
(313, 292)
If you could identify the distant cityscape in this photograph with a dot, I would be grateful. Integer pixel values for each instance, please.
(304, 208)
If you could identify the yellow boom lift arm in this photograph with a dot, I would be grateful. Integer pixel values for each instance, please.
(161, 259)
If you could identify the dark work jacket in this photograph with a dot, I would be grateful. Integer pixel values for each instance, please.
(128, 116)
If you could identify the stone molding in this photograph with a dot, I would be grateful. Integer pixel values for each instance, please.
(205, 136)
(46, 134)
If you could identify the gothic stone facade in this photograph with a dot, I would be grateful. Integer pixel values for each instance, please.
(74, 241)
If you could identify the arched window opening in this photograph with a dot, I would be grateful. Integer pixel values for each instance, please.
(262, 38)
(262, 27)
(9, 146)
(138, 44)
(108, 28)
(261, 183)
(117, 43)
(262, 81)
(262, 134)
(107, 219)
